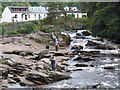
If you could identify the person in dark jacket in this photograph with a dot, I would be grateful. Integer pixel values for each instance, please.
(52, 59)
(47, 47)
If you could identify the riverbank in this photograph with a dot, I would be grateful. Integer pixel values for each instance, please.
(26, 61)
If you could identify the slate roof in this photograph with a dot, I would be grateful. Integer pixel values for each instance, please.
(30, 9)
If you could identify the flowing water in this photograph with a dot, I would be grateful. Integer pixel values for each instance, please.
(92, 76)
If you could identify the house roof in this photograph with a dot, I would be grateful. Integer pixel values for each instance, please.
(29, 9)
(37, 10)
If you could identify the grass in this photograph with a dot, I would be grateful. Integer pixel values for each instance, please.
(6, 63)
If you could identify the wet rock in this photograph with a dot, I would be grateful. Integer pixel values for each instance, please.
(94, 86)
(91, 43)
(81, 65)
(78, 34)
(100, 47)
(86, 59)
(109, 67)
(56, 76)
(86, 33)
(78, 58)
(79, 37)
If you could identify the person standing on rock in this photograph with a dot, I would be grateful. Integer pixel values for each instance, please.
(56, 45)
(52, 59)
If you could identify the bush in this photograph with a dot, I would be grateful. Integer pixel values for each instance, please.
(26, 28)
(27, 75)
(11, 33)
(45, 29)
(36, 22)
(2, 29)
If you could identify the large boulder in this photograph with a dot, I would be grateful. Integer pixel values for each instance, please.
(56, 76)
(38, 77)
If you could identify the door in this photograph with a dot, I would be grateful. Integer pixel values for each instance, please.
(25, 17)
(39, 16)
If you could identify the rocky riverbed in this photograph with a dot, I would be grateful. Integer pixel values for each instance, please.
(25, 61)
(94, 63)
(88, 62)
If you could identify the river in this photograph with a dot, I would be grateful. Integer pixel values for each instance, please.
(91, 76)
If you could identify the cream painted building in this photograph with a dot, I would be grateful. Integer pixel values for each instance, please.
(22, 14)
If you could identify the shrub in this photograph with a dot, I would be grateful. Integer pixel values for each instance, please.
(45, 29)
(27, 75)
(26, 28)
(11, 33)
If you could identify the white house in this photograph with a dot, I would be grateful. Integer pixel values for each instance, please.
(75, 11)
(21, 14)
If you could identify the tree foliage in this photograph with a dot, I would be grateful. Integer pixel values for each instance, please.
(104, 20)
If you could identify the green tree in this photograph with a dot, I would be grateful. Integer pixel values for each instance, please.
(55, 10)
(104, 20)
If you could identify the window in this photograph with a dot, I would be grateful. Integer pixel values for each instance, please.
(15, 16)
(35, 15)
